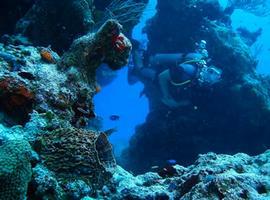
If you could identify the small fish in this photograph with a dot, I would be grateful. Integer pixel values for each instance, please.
(171, 162)
(114, 117)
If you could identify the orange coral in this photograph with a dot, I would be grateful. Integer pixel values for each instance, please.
(47, 56)
(16, 93)
(16, 99)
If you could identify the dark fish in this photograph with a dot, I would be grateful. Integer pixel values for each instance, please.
(114, 117)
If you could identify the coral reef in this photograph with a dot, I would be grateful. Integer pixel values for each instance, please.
(211, 177)
(231, 117)
(39, 96)
(78, 189)
(31, 78)
(44, 185)
(73, 153)
(15, 169)
(46, 99)
(108, 45)
(16, 99)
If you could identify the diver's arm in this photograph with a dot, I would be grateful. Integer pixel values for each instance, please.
(167, 99)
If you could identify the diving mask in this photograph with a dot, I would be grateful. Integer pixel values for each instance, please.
(209, 75)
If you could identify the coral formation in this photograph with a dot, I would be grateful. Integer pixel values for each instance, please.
(108, 45)
(47, 97)
(16, 99)
(48, 55)
(44, 185)
(212, 176)
(78, 189)
(77, 153)
(15, 169)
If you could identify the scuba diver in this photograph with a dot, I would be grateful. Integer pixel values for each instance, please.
(177, 74)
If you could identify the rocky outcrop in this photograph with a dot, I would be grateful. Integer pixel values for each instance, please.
(108, 45)
(231, 117)
(212, 176)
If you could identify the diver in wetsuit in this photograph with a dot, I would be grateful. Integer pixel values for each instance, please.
(178, 73)
(182, 77)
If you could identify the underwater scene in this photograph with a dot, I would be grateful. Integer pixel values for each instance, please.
(135, 100)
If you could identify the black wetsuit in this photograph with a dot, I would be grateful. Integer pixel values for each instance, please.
(183, 80)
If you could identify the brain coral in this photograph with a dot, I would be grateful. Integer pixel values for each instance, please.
(74, 152)
(15, 169)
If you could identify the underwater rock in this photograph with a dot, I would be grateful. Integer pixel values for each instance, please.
(147, 186)
(77, 153)
(15, 169)
(44, 185)
(16, 99)
(212, 176)
(56, 23)
(230, 117)
(108, 45)
(78, 189)
(225, 177)
(30, 80)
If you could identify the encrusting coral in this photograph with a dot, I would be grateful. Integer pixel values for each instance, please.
(15, 169)
(108, 45)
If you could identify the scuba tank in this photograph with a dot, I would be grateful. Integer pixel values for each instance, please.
(166, 60)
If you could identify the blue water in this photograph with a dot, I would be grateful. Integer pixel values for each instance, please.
(125, 100)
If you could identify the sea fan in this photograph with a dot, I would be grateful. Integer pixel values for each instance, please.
(125, 11)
